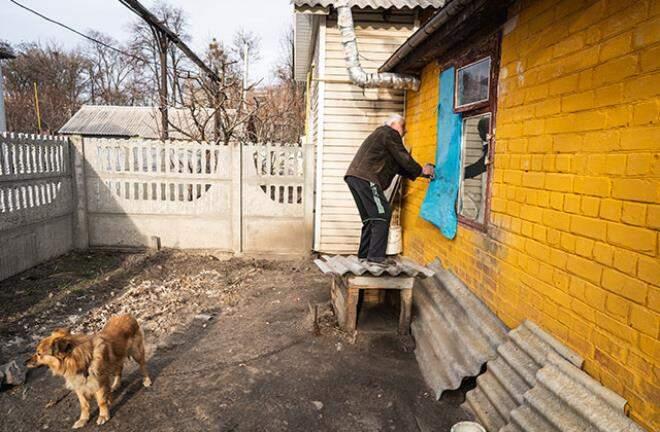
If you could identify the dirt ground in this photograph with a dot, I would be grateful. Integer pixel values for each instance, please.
(231, 343)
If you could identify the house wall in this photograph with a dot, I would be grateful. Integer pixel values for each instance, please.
(348, 115)
(572, 241)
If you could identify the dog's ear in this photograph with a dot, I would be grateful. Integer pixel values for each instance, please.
(61, 332)
(62, 347)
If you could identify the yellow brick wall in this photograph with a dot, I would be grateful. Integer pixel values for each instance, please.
(573, 235)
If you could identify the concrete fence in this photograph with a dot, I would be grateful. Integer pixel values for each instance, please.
(59, 193)
(36, 205)
(237, 198)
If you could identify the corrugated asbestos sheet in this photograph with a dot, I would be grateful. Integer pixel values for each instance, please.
(342, 265)
(374, 4)
(535, 385)
(512, 373)
(130, 121)
(567, 399)
(454, 331)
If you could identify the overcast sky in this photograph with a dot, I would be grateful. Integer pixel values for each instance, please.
(208, 18)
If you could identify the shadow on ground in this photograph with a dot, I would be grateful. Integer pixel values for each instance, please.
(257, 367)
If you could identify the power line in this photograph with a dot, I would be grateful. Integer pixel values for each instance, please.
(78, 32)
(136, 7)
(91, 38)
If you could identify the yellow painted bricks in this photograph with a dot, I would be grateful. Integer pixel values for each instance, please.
(573, 234)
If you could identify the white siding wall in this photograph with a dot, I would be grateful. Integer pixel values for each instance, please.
(349, 115)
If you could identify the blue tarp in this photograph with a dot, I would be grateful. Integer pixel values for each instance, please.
(439, 206)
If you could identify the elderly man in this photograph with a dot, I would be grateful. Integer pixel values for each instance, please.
(380, 157)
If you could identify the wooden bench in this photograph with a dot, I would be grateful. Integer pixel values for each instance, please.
(345, 295)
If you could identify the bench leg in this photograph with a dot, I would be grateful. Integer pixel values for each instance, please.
(406, 311)
(352, 309)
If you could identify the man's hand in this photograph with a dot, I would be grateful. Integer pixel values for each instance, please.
(428, 171)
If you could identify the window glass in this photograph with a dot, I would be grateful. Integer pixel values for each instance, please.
(474, 161)
(472, 83)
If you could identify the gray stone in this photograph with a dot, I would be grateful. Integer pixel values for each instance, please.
(14, 372)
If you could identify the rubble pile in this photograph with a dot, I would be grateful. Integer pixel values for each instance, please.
(163, 291)
(162, 306)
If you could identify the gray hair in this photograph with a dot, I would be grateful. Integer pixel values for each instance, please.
(393, 119)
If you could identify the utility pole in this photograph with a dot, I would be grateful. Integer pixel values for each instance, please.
(216, 57)
(246, 51)
(36, 106)
(246, 65)
(163, 36)
(91, 82)
(162, 42)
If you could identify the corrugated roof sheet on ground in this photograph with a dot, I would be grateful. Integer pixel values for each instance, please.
(512, 373)
(536, 384)
(351, 265)
(454, 331)
(374, 4)
(565, 398)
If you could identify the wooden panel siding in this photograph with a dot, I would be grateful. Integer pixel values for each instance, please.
(350, 114)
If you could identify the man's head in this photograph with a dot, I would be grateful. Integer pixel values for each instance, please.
(398, 123)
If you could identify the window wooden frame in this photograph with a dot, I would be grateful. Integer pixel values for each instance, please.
(488, 46)
(478, 104)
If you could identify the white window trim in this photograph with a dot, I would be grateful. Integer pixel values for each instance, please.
(462, 107)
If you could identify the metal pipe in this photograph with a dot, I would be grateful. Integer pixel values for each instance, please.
(352, 56)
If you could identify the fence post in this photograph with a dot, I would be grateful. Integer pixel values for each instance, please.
(80, 221)
(308, 203)
(237, 197)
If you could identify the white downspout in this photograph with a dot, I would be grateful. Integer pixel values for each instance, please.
(352, 56)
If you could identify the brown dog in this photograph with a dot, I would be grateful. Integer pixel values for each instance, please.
(92, 365)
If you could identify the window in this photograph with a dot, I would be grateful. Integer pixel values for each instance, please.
(474, 163)
(472, 84)
(475, 100)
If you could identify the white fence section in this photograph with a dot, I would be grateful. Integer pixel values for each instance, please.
(102, 192)
(178, 191)
(273, 198)
(194, 195)
(35, 200)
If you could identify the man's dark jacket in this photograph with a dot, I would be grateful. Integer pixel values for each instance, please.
(382, 156)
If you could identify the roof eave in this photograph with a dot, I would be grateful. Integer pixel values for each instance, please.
(437, 35)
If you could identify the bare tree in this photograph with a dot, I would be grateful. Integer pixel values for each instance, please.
(114, 78)
(144, 43)
(209, 110)
(282, 116)
(241, 39)
(217, 111)
(60, 82)
(285, 69)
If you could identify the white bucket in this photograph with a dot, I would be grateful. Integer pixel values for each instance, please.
(467, 426)
(394, 240)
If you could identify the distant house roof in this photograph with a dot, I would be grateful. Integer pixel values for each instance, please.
(6, 52)
(129, 121)
(374, 4)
